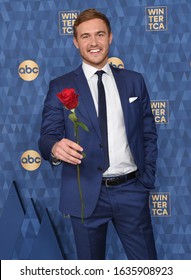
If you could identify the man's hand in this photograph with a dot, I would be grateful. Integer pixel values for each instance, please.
(68, 151)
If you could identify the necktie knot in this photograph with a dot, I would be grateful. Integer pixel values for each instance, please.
(100, 73)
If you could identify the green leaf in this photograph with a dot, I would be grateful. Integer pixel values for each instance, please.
(82, 125)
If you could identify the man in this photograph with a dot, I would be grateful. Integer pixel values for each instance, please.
(119, 193)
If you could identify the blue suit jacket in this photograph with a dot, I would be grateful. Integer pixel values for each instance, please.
(140, 129)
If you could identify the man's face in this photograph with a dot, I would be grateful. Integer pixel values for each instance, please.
(93, 42)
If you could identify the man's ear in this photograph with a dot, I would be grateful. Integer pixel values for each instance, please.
(75, 43)
(110, 38)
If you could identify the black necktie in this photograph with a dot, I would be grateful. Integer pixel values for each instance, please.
(102, 114)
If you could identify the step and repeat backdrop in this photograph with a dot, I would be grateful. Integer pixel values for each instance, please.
(36, 45)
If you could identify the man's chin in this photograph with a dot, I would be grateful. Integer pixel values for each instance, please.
(96, 62)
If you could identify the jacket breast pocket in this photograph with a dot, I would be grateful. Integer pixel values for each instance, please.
(135, 108)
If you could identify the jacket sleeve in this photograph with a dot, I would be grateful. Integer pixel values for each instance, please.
(150, 150)
(52, 125)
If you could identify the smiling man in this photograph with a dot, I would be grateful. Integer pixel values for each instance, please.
(93, 42)
(118, 171)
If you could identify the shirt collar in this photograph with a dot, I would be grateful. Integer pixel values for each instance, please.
(89, 70)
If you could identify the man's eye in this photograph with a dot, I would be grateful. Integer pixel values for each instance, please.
(84, 36)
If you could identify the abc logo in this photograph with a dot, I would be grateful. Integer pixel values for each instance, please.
(28, 70)
(116, 62)
(30, 160)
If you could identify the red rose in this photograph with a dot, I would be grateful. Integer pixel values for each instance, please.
(69, 98)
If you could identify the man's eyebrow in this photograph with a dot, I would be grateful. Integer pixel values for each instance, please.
(84, 34)
(98, 32)
(101, 31)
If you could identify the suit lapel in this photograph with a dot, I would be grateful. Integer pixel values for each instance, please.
(86, 100)
(123, 93)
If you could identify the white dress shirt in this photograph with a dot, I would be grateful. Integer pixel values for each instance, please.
(120, 157)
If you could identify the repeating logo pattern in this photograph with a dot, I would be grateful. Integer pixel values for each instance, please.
(30, 160)
(116, 62)
(156, 18)
(160, 110)
(160, 204)
(66, 22)
(28, 70)
(151, 37)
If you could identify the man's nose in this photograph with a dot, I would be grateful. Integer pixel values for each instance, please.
(93, 41)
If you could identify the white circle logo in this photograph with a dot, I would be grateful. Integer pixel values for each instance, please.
(28, 70)
(30, 160)
(116, 62)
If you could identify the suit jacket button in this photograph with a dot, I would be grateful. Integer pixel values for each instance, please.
(100, 168)
(101, 145)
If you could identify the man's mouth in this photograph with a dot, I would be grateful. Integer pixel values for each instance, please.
(95, 51)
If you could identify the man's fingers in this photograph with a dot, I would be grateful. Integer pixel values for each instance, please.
(68, 151)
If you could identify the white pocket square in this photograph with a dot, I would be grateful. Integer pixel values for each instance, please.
(132, 99)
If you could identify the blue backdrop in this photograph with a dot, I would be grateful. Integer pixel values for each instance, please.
(36, 45)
